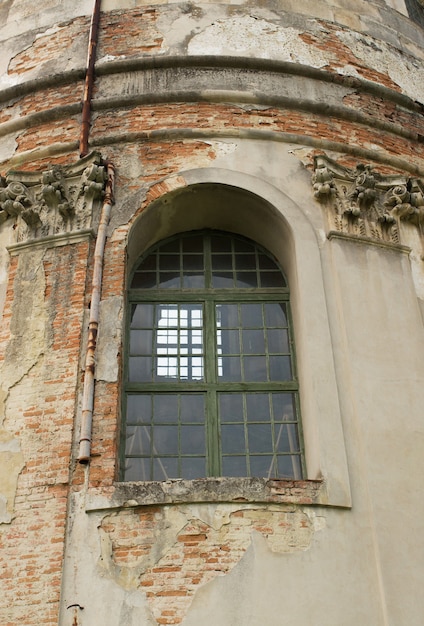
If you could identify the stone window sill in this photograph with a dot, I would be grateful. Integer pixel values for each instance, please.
(247, 490)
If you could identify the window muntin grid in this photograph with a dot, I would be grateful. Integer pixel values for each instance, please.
(166, 342)
(191, 339)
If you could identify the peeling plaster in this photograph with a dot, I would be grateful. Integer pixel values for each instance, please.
(170, 552)
(406, 72)
(28, 321)
(11, 464)
(29, 318)
(245, 36)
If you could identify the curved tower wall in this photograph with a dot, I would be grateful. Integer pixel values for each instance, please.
(296, 124)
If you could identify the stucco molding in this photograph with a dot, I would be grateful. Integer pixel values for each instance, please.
(237, 202)
(56, 202)
(364, 204)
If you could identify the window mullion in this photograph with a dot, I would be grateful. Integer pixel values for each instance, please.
(212, 426)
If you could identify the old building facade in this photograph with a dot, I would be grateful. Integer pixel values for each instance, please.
(211, 306)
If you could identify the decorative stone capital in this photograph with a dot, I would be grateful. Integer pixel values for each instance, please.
(59, 200)
(365, 204)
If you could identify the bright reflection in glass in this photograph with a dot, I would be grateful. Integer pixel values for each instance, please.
(179, 341)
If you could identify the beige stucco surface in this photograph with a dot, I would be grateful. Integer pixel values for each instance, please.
(353, 555)
(353, 565)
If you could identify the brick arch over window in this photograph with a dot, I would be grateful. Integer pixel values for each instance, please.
(243, 205)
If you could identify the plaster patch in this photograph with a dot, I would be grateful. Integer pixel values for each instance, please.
(169, 552)
(109, 341)
(11, 464)
(29, 318)
(249, 36)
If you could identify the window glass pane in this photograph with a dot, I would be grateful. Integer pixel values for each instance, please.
(222, 280)
(289, 467)
(179, 341)
(278, 340)
(257, 407)
(283, 407)
(193, 468)
(139, 409)
(251, 315)
(262, 466)
(141, 342)
(231, 407)
(275, 314)
(229, 341)
(193, 262)
(222, 262)
(165, 440)
(193, 243)
(139, 369)
(142, 316)
(137, 469)
(241, 245)
(192, 408)
(272, 279)
(144, 280)
(254, 368)
(192, 440)
(232, 439)
(165, 408)
(136, 443)
(286, 439)
(279, 368)
(192, 280)
(259, 438)
(234, 466)
(165, 468)
(246, 279)
(227, 315)
(245, 262)
(168, 262)
(220, 243)
(169, 280)
(253, 342)
(230, 370)
(266, 263)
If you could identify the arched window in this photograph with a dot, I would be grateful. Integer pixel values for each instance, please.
(210, 378)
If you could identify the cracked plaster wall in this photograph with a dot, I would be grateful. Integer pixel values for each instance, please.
(28, 320)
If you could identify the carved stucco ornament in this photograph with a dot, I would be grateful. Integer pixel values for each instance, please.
(60, 200)
(365, 204)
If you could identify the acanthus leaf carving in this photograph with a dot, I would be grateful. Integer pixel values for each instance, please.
(407, 201)
(364, 203)
(60, 200)
(322, 181)
(363, 194)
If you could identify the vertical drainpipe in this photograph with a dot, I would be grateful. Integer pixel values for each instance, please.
(89, 376)
(88, 394)
(89, 79)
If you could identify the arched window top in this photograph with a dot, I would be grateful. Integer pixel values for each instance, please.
(211, 384)
(208, 260)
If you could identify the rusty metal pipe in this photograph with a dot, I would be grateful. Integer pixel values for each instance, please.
(89, 79)
(88, 393)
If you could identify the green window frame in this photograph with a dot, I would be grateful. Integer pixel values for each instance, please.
(210, 382)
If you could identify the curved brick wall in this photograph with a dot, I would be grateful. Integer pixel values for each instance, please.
(270, 97)
(323, 73)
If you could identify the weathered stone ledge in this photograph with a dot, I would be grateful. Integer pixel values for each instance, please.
(240, 490)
